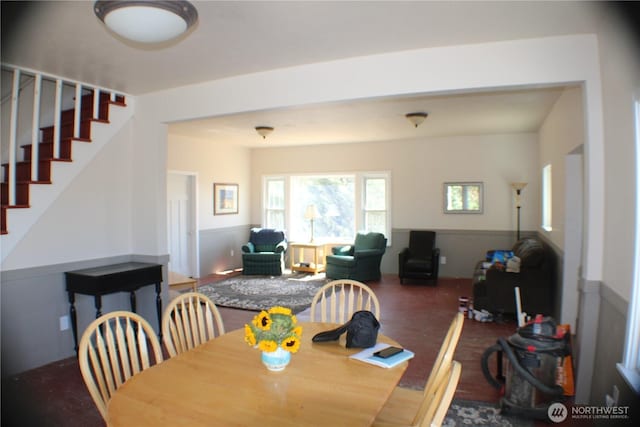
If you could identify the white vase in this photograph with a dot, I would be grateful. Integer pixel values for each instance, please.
(276, 360)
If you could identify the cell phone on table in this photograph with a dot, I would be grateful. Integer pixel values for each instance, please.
(388, 352)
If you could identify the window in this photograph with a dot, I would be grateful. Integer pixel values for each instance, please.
(274, 202)
(346, 203)
(546, 198)
(463, 197)
(630, 366)
(375, 204)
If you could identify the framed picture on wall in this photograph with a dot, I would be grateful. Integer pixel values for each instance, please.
(225, 199)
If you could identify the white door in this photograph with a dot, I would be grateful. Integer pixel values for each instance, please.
(181, 223)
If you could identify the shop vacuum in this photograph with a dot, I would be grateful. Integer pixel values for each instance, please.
(534, 354)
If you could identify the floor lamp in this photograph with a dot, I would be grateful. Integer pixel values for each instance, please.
(311, 213)
(518, 186)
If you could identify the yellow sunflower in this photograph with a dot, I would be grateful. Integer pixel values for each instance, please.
(262, 321)
(298, 331)
(268, 345)
(291, 343)
(249, 336)
(280, 310)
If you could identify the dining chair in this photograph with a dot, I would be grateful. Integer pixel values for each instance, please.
(189, 320)
(432, 406)
(401, 396)
(336, 301)
(113, 348)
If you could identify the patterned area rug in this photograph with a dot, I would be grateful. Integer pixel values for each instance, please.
(295, 291)
(473, 413)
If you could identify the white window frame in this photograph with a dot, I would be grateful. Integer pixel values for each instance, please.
(630, 366)
(359, 181)
(265, 201)
(363, 211)
(466, 186)
(547, 186)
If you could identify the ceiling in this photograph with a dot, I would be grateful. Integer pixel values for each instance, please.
(240, 37)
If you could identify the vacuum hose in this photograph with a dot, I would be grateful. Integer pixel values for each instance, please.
(502, 344)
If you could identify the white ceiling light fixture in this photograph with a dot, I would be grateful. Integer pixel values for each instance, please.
(147, 21)
(263, 131)
(416, 118)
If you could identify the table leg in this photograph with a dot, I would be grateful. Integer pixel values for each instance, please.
(97, 302)
(132, 300)
(74, 320)
(159, 308)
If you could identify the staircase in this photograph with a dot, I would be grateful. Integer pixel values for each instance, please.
(56, 144)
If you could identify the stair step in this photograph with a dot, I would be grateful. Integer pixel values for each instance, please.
(23, 171)
(22, 194)
(66, 131)
(46, 150)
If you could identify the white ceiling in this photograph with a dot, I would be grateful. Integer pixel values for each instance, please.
(233, 38)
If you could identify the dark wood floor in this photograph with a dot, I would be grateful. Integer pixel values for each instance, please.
(416, 315)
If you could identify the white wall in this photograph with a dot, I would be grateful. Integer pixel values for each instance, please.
(418, 170)
(561, 132)
(213, 163)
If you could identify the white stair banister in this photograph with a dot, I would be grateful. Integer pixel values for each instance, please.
(96, 103)
(57, 111)
(13, 129)
(77, 112)
(35, 129)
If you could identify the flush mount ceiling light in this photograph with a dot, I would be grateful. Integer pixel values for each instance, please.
(416, 118)
(147, 21)
(263, 131)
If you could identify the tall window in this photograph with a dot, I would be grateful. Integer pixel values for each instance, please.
(346, 203)
(546, 198)
(274, 207)
(375, 204)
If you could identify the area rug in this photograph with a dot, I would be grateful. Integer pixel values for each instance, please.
(295, 291)
(474, 413)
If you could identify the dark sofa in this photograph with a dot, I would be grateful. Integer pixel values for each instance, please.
(493, 286)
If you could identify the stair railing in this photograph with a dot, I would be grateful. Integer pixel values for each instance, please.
(16, 90)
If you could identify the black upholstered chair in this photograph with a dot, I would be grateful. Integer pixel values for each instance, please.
(421, 259)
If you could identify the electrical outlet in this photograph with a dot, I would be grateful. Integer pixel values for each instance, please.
(443, 260)
(231, 252)
(64, 323)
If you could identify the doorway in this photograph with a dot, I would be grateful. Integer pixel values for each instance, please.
(182, 223)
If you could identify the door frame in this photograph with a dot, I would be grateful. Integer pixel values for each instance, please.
(192, 194)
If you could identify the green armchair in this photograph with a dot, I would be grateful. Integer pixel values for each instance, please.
(264, 253)
(360, 261)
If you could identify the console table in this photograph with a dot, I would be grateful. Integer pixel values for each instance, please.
(109, 279)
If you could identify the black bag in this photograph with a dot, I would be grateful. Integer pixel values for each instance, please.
(362, 331)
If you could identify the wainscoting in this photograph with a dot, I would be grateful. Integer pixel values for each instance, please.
(34, 299)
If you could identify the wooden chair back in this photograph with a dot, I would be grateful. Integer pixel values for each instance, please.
(113, 348)
(440, 396)
(336, 301)
(442, 364)
(189, 320)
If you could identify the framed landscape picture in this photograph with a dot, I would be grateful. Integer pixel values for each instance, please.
(225, 199)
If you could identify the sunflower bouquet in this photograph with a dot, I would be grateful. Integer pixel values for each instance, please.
(276, 327)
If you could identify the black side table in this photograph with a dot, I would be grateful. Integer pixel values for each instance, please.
(109, 279)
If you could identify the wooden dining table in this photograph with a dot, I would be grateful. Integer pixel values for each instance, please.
(224, 383)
